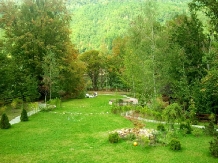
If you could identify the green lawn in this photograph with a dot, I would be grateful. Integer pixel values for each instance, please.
(78, 132)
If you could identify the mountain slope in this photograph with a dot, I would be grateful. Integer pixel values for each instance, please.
(96, 23)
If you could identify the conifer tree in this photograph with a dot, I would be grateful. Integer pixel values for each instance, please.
(24, 116)
(5, 122)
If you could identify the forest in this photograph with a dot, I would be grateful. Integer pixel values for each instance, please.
(162, 48)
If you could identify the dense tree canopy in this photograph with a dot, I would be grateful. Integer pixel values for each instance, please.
(37, 38)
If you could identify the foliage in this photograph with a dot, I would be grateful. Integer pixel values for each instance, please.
(94, 66)
(4, 124)
(113, 137)
(2, 109)
(144, 141)
(131, 136)
(47, 108)
(115, 65)
(214, 147)
(24, 116)
(210, 129)
(160, 127)
(186, 127)
(173, 113)
(209, 93)
(99, 29)
(16, 102)
(38, 42)
(197, 132)
(57, 102)
(140, 60)
(175, 144)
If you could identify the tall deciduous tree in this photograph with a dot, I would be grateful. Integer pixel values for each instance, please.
(37, 37)
(206, 99)
(140, 60)
(94, 66)
(115, 64)
(187, 33)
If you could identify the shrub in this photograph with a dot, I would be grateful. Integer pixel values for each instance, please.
(144, 141)
(55, 102)
(47, 108)
(16, 102)
(160, 127)
(161, 137)
(172, 113)
(210, 129)
(175, 144)
(24, 116)
(131, 136)
(186, 127)
(214, 147)
(5, 122)
(116, 109)
(2, 109)
(197, 132)
(114, 137)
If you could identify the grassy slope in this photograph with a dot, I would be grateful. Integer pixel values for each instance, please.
(78, 132)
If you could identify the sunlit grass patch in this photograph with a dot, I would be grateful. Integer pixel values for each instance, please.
(78, 132)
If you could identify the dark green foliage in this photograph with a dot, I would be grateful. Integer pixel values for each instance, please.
(185, 126)
(214, 147)
(175, 144)
(114, 137)
(160, 127)
(5, 122)
(210, 129)
(33, 66)
(24, 116)
(116, 109)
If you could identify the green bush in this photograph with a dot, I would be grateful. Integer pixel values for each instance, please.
(175, 144)
(47, 108)
(2, 109)
(116, 109)
(24, 116)
(160, 127)
(173, 113)
(214, 147)
(16, 103)
(210, 129)
(185, 126)
(5, 122)
(144, 141)
(131, 136)
(197, 132)
(55, 102)
(114, 137)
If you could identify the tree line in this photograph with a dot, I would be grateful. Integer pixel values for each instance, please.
(176, 59)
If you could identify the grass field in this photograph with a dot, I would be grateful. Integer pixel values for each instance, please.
(78, 132)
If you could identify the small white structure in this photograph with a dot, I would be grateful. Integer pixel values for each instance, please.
(95, 94)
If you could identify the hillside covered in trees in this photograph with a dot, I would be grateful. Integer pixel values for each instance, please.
(95, 24)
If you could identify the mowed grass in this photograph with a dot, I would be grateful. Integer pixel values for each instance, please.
(78, 132)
